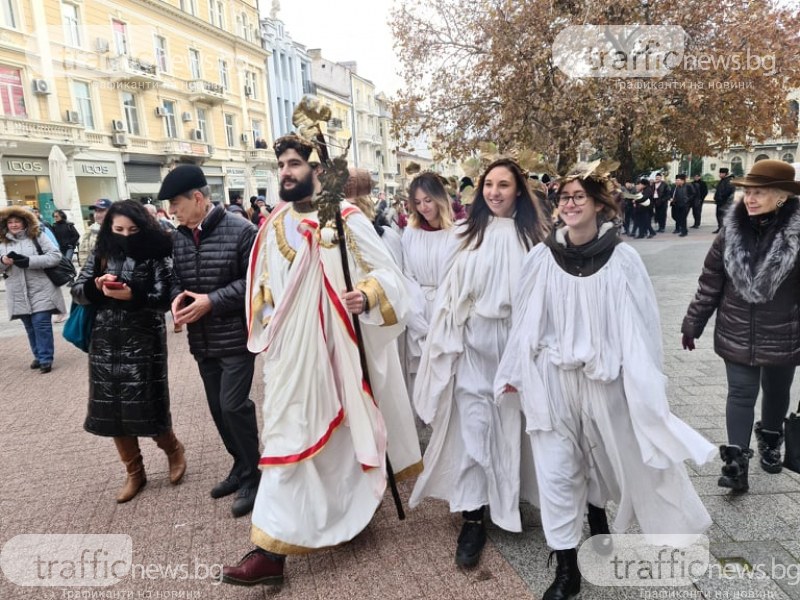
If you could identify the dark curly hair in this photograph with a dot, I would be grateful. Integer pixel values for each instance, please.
(153, 242)
(529, 221)
(292, 142)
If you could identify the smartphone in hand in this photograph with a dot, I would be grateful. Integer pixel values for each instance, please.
(113, 285)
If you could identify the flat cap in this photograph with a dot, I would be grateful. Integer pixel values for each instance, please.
(180, 180)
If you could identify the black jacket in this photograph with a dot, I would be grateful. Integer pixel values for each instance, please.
(217, 267)
(682, 195)
(725, 191)
(700, 192)
(751, 277)
(128, 386)
(66, 235)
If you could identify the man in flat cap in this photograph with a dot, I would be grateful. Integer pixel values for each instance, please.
(211, 251)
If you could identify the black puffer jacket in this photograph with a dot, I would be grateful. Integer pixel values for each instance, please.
(217, 267)
(128, 386)
(751, 277)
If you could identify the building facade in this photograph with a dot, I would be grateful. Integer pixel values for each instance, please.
(127, 89)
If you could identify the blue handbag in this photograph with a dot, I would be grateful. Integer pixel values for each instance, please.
(78, 327)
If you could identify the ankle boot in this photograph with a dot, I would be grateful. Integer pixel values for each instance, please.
(735, 467)
(175, 455)
(599, 530)
(568, 578)
(769, 448)
(128, 448)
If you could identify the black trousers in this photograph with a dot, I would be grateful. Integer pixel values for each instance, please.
(743, 384)
(697, 213)
(661, 216)
(227, 381)
(680, 214)
(721, 210)
(644, 221)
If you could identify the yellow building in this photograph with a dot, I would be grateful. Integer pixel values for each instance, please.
(127, 89)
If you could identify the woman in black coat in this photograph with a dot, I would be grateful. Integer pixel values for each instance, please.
(66, 234)
(127, 279)
(751, 278)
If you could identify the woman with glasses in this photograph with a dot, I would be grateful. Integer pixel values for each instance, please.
(473, 458)
(585, 356)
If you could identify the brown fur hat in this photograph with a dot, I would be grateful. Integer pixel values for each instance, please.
(31, 221)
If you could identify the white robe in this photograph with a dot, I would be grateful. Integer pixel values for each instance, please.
(427, 257)
(585, 355)
(473, 458)
(325, 438)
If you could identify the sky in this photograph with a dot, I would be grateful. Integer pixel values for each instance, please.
(345, 30)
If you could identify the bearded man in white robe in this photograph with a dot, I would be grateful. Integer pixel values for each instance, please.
(328, 427)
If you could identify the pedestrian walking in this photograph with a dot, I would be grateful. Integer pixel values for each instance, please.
(25, 252)
(127, 280)
(473, 458)
(700, 193)
(210, 250)
(66, 234)
(723, 196)
(428, 251)
(98, 210)
(584, 358)
(681, 202)
(750, 277)
(660, 193)
(321, 483)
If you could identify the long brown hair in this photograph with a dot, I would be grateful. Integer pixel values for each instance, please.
(531, 226)
(432, 185)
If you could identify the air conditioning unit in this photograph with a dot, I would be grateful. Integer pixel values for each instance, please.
(186, 117)
(196, 134)
(161, 111)
(248, 90)
(118, 125)
(119, 139)
(244, 138)
(73, 116)
(40, 86)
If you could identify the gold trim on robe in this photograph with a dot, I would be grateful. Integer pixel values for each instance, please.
(409, 472)
(280, 237)
(377, 297)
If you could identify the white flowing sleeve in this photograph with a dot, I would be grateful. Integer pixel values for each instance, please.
(259, 304)
(518, 364)
(376, 273)
(664, 439)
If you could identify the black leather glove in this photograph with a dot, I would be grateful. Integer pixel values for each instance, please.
(687, 342)
(20, 260)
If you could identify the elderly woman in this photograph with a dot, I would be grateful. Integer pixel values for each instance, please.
(25, 251)
(585, 356)
(751, 277)
(127, 279)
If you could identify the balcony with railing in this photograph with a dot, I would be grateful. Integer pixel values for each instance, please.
(209, 92)
(335, 124)
(309, 87)
(260, 156)
(27, 130)
(180, 148)
(133, 70)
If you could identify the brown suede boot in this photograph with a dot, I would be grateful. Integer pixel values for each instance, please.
(128, 448)
(175, 455)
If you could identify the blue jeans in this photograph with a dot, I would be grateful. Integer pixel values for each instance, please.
(39, 327)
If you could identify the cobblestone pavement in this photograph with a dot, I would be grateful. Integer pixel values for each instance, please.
(57, 479)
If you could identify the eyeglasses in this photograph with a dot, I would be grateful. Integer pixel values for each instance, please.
(577, 199)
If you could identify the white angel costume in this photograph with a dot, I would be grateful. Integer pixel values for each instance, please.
(473, 458)
(585, 356)
(325, 434)
(427, 257)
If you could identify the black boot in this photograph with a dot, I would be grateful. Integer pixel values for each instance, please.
(769, 448)
(734, 471)
(568, 578)
(598, 529)
(471, 539)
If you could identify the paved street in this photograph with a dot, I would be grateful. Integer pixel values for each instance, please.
(56, 478)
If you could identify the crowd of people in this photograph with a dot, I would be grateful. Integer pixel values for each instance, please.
(524, 332)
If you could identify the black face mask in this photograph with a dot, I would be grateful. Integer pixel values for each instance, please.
(126, 242)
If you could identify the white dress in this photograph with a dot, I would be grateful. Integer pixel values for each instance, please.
(473, 458)
(326, 431)
(427, 257)
(585, 355)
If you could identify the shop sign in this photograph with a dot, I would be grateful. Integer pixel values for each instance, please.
(25, 166)
(85, 168)
(236, 182)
